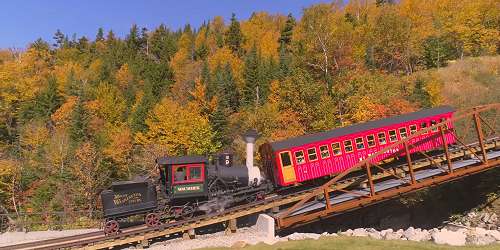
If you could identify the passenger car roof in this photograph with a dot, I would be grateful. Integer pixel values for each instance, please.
(359, 127)
(173, 160)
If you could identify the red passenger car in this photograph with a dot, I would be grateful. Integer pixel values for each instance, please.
(313, 156)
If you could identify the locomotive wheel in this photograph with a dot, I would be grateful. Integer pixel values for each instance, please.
(111, 227)
(187, 212)
(152, 220)
(251, 198)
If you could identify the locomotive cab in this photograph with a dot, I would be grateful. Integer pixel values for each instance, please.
(184, 177)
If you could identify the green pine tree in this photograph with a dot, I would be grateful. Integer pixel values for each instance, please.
(78, 129)
(44, 104)
(100, 35)
(138, 117)
(225, 85)
(207, 80)
(286, 34)
(251, 74)
(233, 35)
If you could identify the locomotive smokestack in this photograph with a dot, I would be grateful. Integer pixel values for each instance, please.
(254, 176)
(250, 137)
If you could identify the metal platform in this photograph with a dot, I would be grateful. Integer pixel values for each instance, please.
(388, 184)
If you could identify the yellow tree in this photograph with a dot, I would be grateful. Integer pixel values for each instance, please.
(224, 56)
(119, 147)
(179, 129)
(471, 24)
(263, 31)
(111, 104)
(9, 179)
(184, 67)
(88, 173)
(325, 36)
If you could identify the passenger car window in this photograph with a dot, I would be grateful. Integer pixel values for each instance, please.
(299, 156)
(370, 139)
(402, 133)
(423, 125)
(348, 146)
(336, 148)
(413, 129)
(433, 122)
(323, 150)
(359, 143)
(311, 154)
(285, 159)
(194, 173)
(381, 138)
(392, 136)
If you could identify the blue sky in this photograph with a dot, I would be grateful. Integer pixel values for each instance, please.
(23, 21)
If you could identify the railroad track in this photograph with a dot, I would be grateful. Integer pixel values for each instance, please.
(142, 234)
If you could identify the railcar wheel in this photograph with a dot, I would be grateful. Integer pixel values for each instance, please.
(187, 212)
(152, 220)
(111, 227)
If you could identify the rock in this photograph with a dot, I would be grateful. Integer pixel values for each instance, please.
(480, 240)
(265, 225)
(359, 232)
(494, 233)
(386, 231)
(375, 235)
(390, 235)
(494, 218)
(417, 235)
(409, 232)
(239, 244)
(347, 233)
(448, 237)
(303, 236)
(479, 231)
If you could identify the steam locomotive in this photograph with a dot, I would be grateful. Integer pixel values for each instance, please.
(191, 185)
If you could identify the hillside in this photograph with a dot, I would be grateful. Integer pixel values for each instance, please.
(78, 113)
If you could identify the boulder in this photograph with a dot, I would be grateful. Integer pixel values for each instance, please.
(390, 235)
(375, 235)
(303, 236)
(417, 234)
(360, 232)
(386, 231)
(449, 237)
(494, 233)
(348, 232)
(480, 240)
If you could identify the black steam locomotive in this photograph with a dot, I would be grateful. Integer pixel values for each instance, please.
(185, 186)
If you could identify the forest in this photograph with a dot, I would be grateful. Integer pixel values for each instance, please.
(77, 113)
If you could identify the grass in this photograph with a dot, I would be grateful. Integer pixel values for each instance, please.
(358, 243)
